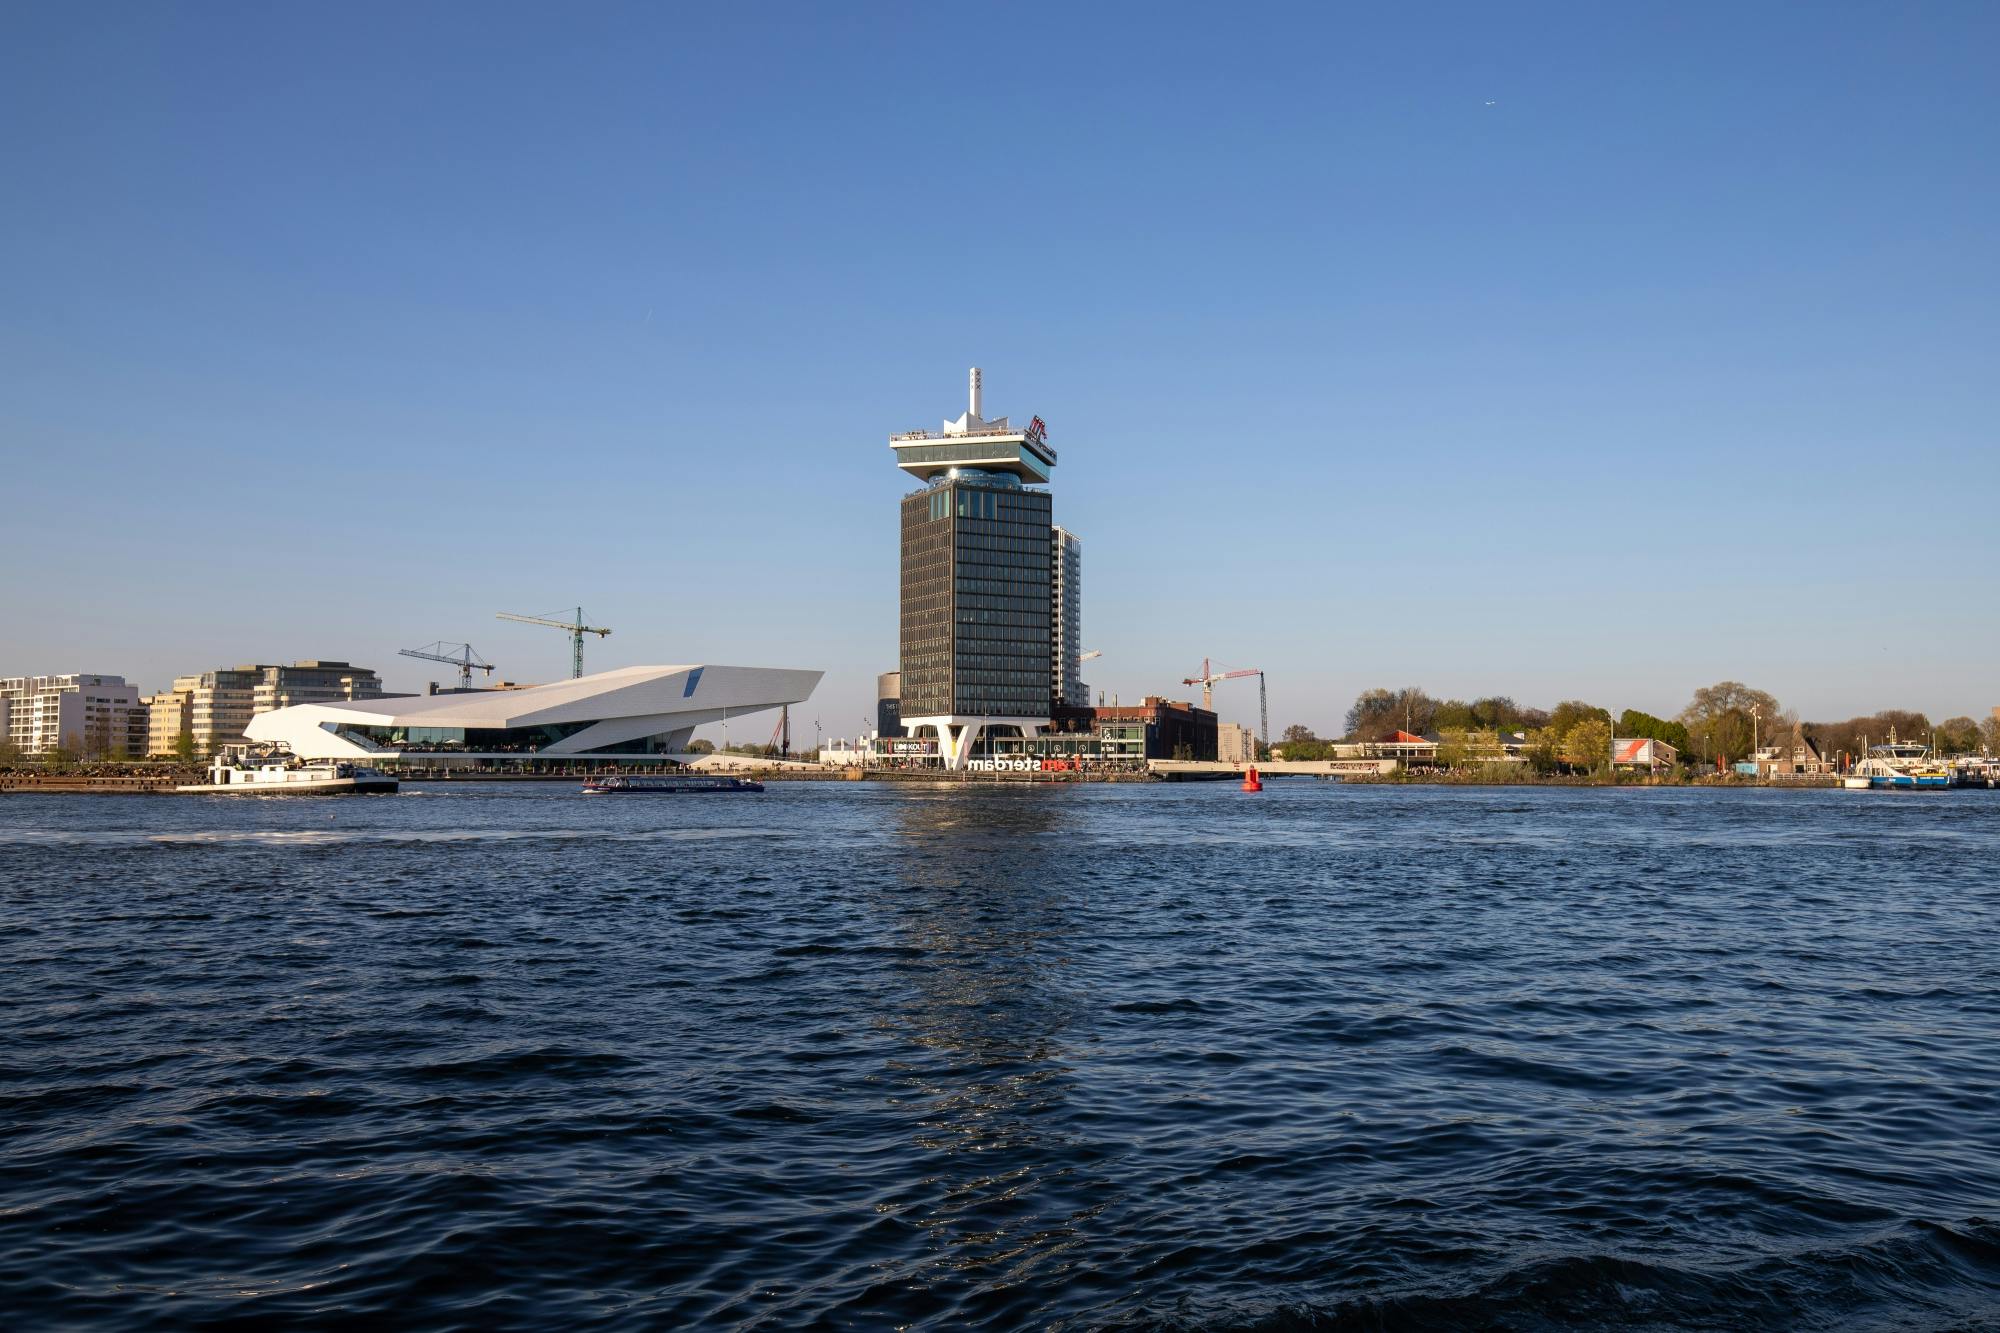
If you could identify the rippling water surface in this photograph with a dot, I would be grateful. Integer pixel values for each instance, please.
(868, 1055)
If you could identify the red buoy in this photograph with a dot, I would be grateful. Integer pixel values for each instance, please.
(1251, 782)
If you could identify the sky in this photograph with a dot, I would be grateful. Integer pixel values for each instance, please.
(1557, 351)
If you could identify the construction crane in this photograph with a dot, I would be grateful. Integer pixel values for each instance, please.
(1207, 680)
(576, 629)
(459, 655)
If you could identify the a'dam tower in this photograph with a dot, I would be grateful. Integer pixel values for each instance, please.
(977, 640)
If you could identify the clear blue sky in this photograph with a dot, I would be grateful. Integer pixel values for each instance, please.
(1594, 351)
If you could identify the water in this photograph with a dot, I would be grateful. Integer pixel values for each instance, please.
(865, 1055)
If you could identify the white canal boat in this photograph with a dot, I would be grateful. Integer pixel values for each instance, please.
(239, 773)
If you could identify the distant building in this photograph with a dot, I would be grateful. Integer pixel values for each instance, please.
(1793, 757)
(313, 682)
(1157, 729)
(169, 716)
(889, 704)
(97, 717)
(222, 702)
(1636, 752)
(1405, 747)
(1066, 685)
(1235, 744)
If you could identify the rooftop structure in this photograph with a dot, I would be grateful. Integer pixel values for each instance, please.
(631, 714)
(971, 441)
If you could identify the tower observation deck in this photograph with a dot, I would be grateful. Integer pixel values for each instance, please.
(973, 442)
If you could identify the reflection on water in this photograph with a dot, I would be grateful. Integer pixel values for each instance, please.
(983, 894)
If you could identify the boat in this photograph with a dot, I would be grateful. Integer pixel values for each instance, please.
(1899, 766)
(667, 784)
(240, 772)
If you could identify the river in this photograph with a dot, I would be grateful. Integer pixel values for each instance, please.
(873, 1055)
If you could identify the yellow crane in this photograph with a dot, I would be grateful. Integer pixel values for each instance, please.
(576, 629)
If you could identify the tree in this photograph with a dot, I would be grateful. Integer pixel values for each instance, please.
(184, 748)
(1572, 711)
(1856, 734)
(1587, 744)
(1632, 723)
(1377, 714)
(10, 753)
(1957, 735)
(1454, 715)
(1720, 719)
(1989, 734)
(1296, 733)
(1539, 747)
(701, 747)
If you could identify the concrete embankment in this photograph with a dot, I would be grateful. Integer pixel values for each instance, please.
(21, 784)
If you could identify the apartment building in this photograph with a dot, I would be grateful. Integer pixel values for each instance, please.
(92, 716)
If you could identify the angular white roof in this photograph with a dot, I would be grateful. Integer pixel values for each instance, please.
(629, 703)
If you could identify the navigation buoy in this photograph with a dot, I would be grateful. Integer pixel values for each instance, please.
(1251, 782)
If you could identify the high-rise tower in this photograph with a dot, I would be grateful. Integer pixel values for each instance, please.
(977, 637)
(1066, 620)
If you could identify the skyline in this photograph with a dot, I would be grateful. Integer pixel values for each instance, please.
(1356, 378)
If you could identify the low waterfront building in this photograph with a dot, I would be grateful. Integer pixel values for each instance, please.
(1643, 752)
(1796, 756)
(91, 716)
(1157, 729)
(637, 714)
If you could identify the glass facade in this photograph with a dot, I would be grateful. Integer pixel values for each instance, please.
(490, 740)
(976, 633)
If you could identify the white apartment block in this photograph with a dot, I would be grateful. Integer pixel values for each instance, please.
(95, 717)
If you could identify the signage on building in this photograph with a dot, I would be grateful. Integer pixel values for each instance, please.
(1038, 431)
(1023, 764)
(913, 747)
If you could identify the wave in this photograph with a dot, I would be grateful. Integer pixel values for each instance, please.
(1922, 1274)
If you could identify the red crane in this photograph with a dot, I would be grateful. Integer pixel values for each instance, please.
(1207, 680)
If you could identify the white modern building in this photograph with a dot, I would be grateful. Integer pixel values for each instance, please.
(98, 717)
(634, 715)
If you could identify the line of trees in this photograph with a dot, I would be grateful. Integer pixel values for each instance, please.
(1955, 735)
(1723, 722)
